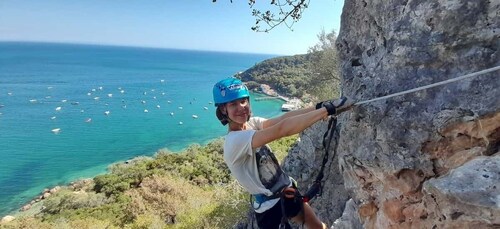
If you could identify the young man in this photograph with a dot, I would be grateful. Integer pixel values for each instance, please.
(251, 161)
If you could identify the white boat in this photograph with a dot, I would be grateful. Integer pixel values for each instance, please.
(288, 107)
(88, 120)
(33, 100)
(107, 112)
(110, 95)
(195, 116)
(180, 123)
(180, 108)
(56, 130)
(58, 108)
(146, 111)
(158, 106)
(206, 108)
(171, 113)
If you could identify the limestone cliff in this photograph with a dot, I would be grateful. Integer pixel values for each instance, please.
(429, 159)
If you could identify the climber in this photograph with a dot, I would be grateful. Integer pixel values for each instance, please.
(254, 165)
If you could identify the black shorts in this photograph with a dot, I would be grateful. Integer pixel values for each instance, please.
(271, 218)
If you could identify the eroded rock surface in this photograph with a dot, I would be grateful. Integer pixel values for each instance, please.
(405, 161)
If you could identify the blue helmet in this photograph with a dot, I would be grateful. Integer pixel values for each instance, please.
(228, 90)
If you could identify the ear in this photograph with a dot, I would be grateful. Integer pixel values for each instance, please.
(223, 110)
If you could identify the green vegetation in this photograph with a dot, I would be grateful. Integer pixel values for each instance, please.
(190, 189)
(311, 77)
(193, 188)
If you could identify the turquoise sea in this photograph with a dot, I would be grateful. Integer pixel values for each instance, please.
(54, 99)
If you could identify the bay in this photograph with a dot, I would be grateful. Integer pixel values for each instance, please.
(67, 111)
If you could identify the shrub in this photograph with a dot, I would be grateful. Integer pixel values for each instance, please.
(66, 200)
(111, 184)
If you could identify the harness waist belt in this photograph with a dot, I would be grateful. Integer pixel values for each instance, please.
(261, 198)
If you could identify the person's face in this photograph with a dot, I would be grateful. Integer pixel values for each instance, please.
(238, 110)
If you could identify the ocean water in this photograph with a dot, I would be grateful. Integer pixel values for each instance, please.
(48, 87)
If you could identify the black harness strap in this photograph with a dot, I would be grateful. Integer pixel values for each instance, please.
(316, 189)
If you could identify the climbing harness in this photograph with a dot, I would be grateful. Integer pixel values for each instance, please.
(431, 85)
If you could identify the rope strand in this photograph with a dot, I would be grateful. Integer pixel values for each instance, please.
(431, 85)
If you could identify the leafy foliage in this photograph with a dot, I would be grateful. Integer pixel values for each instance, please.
(287, 75)
(314, 74)
(279, 12)
(325, 82)
(190, 189)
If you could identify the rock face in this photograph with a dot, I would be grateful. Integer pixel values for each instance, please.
(428, 159)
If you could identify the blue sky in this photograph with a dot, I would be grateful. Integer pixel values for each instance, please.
(181, 24)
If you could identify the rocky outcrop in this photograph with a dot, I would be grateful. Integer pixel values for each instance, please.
(423, 160)
(7, 219)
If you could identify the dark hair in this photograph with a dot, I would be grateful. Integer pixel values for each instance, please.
(222, 117)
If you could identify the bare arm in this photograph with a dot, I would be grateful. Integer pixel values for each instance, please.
(288, 126)
(274, 121)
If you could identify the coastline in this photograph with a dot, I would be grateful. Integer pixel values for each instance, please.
(290, 103)
(35, 204)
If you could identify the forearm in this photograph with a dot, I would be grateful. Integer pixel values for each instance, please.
(273, 121)
(297, 123)
(297, 112)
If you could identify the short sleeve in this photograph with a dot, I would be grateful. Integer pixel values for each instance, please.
(257, 123)
(237, 145)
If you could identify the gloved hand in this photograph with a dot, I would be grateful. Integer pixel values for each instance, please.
(336, 106)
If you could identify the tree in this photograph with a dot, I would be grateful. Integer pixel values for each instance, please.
(282, 12)
(326, 74)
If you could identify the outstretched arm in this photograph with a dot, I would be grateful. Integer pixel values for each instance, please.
(274, 121)
(296, 121)
(293, 124)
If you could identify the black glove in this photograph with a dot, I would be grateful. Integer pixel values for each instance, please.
(336, 106)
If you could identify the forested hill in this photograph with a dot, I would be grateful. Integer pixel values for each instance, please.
(288, 75)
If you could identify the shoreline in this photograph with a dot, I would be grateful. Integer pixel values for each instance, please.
(34, 205)
(290, 103)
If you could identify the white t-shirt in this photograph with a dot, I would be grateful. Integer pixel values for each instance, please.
(257, 170)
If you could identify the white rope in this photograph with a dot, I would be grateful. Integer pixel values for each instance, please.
(431, 85)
